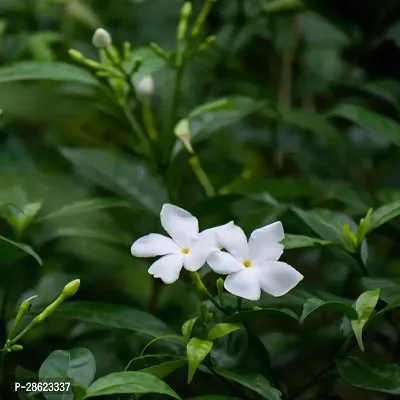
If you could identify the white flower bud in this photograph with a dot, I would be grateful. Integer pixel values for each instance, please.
(101, 38)
(145, 86)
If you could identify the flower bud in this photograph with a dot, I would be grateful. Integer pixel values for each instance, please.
(101, 38)
(145, 87)
(16, 347)
(76, 55)
(182, 132)
(71, 288)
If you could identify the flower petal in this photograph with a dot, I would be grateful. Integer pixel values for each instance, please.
(179, 223)
(167, 268)
(263, 242)
(154, 245)
(234, 240)
(198, 254)
(216, 232)
(224, 263)
(277, 278)
(244, 284)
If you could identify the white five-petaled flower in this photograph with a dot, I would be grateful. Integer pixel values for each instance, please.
(186, 248)
(252, 266)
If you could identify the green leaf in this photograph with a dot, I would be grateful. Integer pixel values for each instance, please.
(76, 365)
(255, 382)
(214, 397)
(85, 206)
(151, 63)
(112, 315)
(257, 312)
(384, 214)
(376, 123)
(20, 220)
(300, 241)
(187, 328)
(196, 350)
(129, 383)
(388, 90)
(389, 288)
(365, 305)
(222, 329)
(379, 377)
(315, 304)
(121, 175)
(53, 71)
(159, 365)
(10, 250)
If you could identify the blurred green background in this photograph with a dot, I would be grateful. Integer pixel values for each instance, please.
(313, 123)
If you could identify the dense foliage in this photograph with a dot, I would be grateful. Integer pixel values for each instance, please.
(252, 111)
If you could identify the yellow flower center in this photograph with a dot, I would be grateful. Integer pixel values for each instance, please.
(185, 250)
(247, 263)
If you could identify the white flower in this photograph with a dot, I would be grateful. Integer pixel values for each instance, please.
(101, 38)
(253, 266)
(145, 86)
(188, 248)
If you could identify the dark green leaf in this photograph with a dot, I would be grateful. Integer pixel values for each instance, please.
(376, 123)
(123, 176)
(365, 305)
(384, 214)
(315, 304)
(85, 206)
(129, 383)
(159, 365)
(379, 377)
(53, 71)
(255, 382)
(300, 241)
(187, 328)
(258, 312)
(112, 315)
(196, 350)
(389, 288)
(10, 250)
(222, 329)
(214, 397)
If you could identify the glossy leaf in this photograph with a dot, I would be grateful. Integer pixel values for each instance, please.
(159, 365)
(222, 329)
(126, 177)
(53, 71)
(379, 377)
(257, 312)
(384, 214)
(85, 206)
(128, 382)
(313, 305)
(76, 365)
(365, 305)
(19, 220)
(10, 250)
(389, 288)
(376, 123)
(300, 241)
(255, 382)
(196, 350)
(112, 315)
(187, 328)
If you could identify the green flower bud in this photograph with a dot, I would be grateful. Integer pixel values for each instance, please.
(16, 347)
(158, 51)
(101, 38)
(76, 55)
(182, 132)
(71, 288)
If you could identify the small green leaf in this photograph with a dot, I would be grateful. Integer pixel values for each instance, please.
(378, 377)
(315, 304)
(77, 365)
(113, 315)
(85, 206)
(255, 382)
(365, 305)
(20, 220)
(300, 241)
(384, 214)
(53, 71)
(389, 288)
(214, 397)
(10, 250)
(257, 312)
(196, 350)
(128, 382)
(220, 330)
(159, 365)
(187, 328)
(376, 123)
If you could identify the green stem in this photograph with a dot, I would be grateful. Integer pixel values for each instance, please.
(148, 120)
(202, 176)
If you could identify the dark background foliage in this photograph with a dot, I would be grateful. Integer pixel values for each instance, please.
(315, 125)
